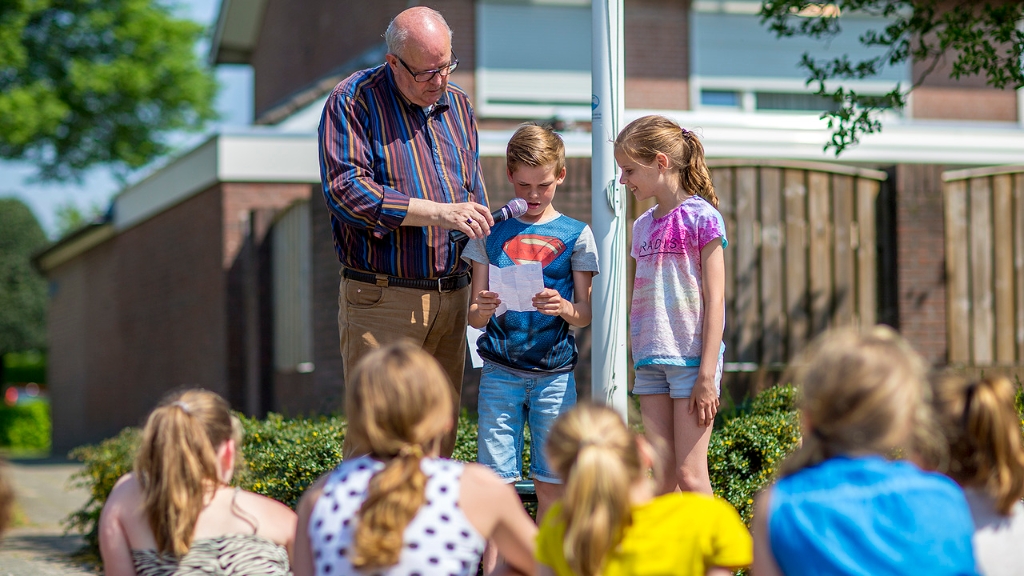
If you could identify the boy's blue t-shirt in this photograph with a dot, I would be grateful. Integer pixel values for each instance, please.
(531, 341)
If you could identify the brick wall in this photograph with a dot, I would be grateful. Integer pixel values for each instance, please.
(136, 317)
(657, 62)
(81, 334)
(302, 42)
(148, 311)
(329, 376)
(959, 103)
(921, 264)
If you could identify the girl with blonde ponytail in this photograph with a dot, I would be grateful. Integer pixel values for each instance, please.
(677, 316)
(177, 509)
(402, 508)
(841, 506)
(986, 457)
(610, 522)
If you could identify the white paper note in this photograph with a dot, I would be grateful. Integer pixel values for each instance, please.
(516, 286)
(472, 335)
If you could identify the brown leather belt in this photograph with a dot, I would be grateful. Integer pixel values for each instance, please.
(443, 284)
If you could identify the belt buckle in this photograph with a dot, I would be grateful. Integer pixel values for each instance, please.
(440, 285)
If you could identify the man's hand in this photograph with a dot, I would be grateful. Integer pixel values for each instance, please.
(469, 217)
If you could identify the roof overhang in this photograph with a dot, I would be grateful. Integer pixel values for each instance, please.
(266, 154)
(237, 31)
(251, 155)
(803, 137)
(72, 245)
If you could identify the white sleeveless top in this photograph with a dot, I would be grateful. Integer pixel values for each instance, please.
(439, 540)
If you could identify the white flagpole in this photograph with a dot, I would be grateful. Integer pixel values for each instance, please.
(608, 348)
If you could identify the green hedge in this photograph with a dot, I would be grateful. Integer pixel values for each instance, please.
(284, 456)
(745, 451)
(26, 426)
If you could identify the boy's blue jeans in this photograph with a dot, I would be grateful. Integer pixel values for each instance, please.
(507, 402)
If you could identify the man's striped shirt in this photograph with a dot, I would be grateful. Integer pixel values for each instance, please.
(378, 150)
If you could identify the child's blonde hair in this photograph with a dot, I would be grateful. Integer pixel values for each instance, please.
(399, 404)
(597, 456)
(176, 464)
(982, 427)
(860, 393)
(644, 138)
(535, 145)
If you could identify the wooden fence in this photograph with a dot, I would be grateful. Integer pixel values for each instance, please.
(802, 254)
(984, 210)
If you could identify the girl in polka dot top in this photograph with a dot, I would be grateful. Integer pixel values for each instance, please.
(403, 510)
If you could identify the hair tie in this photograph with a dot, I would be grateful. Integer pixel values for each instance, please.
(685, 131)
(182, 405)
(413, 450)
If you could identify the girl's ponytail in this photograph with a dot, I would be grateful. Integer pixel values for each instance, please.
(983, 430)
(694, 174)
(646, 137)
(597, 455)
(394, 496)
(399, 403)
(176, 464)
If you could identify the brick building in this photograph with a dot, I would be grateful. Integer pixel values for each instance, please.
(219, 269)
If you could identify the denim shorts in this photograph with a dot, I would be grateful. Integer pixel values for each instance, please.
(676, 381)
(507, 402)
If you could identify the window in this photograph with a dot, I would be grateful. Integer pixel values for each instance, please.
(738, 63)
(533, 59)
(793, 101)
(727, 98)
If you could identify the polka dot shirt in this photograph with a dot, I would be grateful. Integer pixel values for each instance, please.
(439, 541)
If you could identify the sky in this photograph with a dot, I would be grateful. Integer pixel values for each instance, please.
(234, 103)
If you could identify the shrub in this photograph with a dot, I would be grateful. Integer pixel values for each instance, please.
(284, 456)
(745, 452)
(104, 464)
(25, 426)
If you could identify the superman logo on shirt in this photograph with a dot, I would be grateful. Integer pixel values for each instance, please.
(533, 248)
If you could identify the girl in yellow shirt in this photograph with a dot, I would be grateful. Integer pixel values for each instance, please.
(611, 523)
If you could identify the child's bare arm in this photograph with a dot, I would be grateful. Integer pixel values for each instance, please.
(578, 313)
(704, 399)
(483, 302)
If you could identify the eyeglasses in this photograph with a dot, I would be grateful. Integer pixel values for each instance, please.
(428, 75)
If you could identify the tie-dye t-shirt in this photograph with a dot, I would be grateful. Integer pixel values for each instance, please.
(667, 311)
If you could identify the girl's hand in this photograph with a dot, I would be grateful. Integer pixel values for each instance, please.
(704, 400)
(486, 303)
(548, 301)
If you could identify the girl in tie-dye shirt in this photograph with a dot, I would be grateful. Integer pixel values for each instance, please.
(678, 312)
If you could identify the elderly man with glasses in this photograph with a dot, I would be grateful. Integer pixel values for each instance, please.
(400, 167)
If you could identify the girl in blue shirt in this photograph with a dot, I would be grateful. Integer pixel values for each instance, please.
(840, 506)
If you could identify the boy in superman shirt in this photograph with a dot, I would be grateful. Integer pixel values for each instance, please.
(529, 356)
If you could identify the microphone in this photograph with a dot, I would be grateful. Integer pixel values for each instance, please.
(514, 209)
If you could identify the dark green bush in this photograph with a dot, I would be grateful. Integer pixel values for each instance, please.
(104, 464)
(25, 426)
(745, 452)
(284, 456)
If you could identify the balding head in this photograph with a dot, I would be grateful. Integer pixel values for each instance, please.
(419, 40)
(417, 28)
